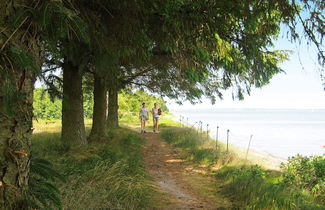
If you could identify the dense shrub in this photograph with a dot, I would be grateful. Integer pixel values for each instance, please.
(44, 107)
(306, 173)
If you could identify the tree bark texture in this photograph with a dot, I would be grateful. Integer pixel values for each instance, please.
(73, 126)
(98, 129)
(16, 112)
(16, 104)
(112, 112)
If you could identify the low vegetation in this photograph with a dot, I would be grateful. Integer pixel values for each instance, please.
(196, 147)
(299, 185)
(108, 174)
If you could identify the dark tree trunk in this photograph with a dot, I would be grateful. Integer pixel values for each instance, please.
(112, 113)
(112, 116)
(16, 108)
(16, 112)
(73, 126)
(98, 129)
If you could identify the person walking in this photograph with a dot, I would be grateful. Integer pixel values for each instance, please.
(143, 117)
(156, 112)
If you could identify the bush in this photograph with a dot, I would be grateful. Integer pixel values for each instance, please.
(44, 107)
(306, 173)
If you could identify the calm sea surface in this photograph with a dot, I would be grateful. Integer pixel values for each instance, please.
(277, 132)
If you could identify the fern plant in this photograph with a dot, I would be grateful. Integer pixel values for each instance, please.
(43, 194)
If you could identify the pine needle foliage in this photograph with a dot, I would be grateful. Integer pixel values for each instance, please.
(32, 27)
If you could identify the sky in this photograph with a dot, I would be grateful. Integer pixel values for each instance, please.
(300, 87)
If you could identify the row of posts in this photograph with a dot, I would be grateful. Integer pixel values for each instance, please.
(184, 123)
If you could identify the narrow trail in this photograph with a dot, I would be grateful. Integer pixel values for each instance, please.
(170, 173)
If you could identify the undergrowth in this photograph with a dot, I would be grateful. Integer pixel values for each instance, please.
(300, 184)
(252, 187)
(105, 175)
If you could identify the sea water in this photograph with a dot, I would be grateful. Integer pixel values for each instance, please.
(277, 132)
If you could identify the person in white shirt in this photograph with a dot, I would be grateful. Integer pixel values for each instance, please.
(143, 117)
(156, 112)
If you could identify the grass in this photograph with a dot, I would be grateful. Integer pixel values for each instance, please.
(52, 126)
(248, 185)
(105, 175)
(196, 148)
(252, 187)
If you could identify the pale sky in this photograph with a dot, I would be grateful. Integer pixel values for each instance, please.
(299, 88)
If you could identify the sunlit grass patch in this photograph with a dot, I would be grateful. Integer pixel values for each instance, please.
(52, 126)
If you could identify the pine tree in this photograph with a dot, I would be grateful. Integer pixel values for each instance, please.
(20, 62)
(27, 27)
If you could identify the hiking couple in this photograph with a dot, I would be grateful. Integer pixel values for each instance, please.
(156, 112)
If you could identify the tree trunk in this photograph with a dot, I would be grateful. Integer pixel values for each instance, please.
(112, 116)
(73, 126)
(98, 129)
(16, 112)
(112, 112)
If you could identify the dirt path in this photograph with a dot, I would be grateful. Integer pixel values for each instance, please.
(171, 175)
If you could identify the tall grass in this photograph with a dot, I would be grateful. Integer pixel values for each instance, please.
(197, 148)
(252, 187)
(105, 175)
